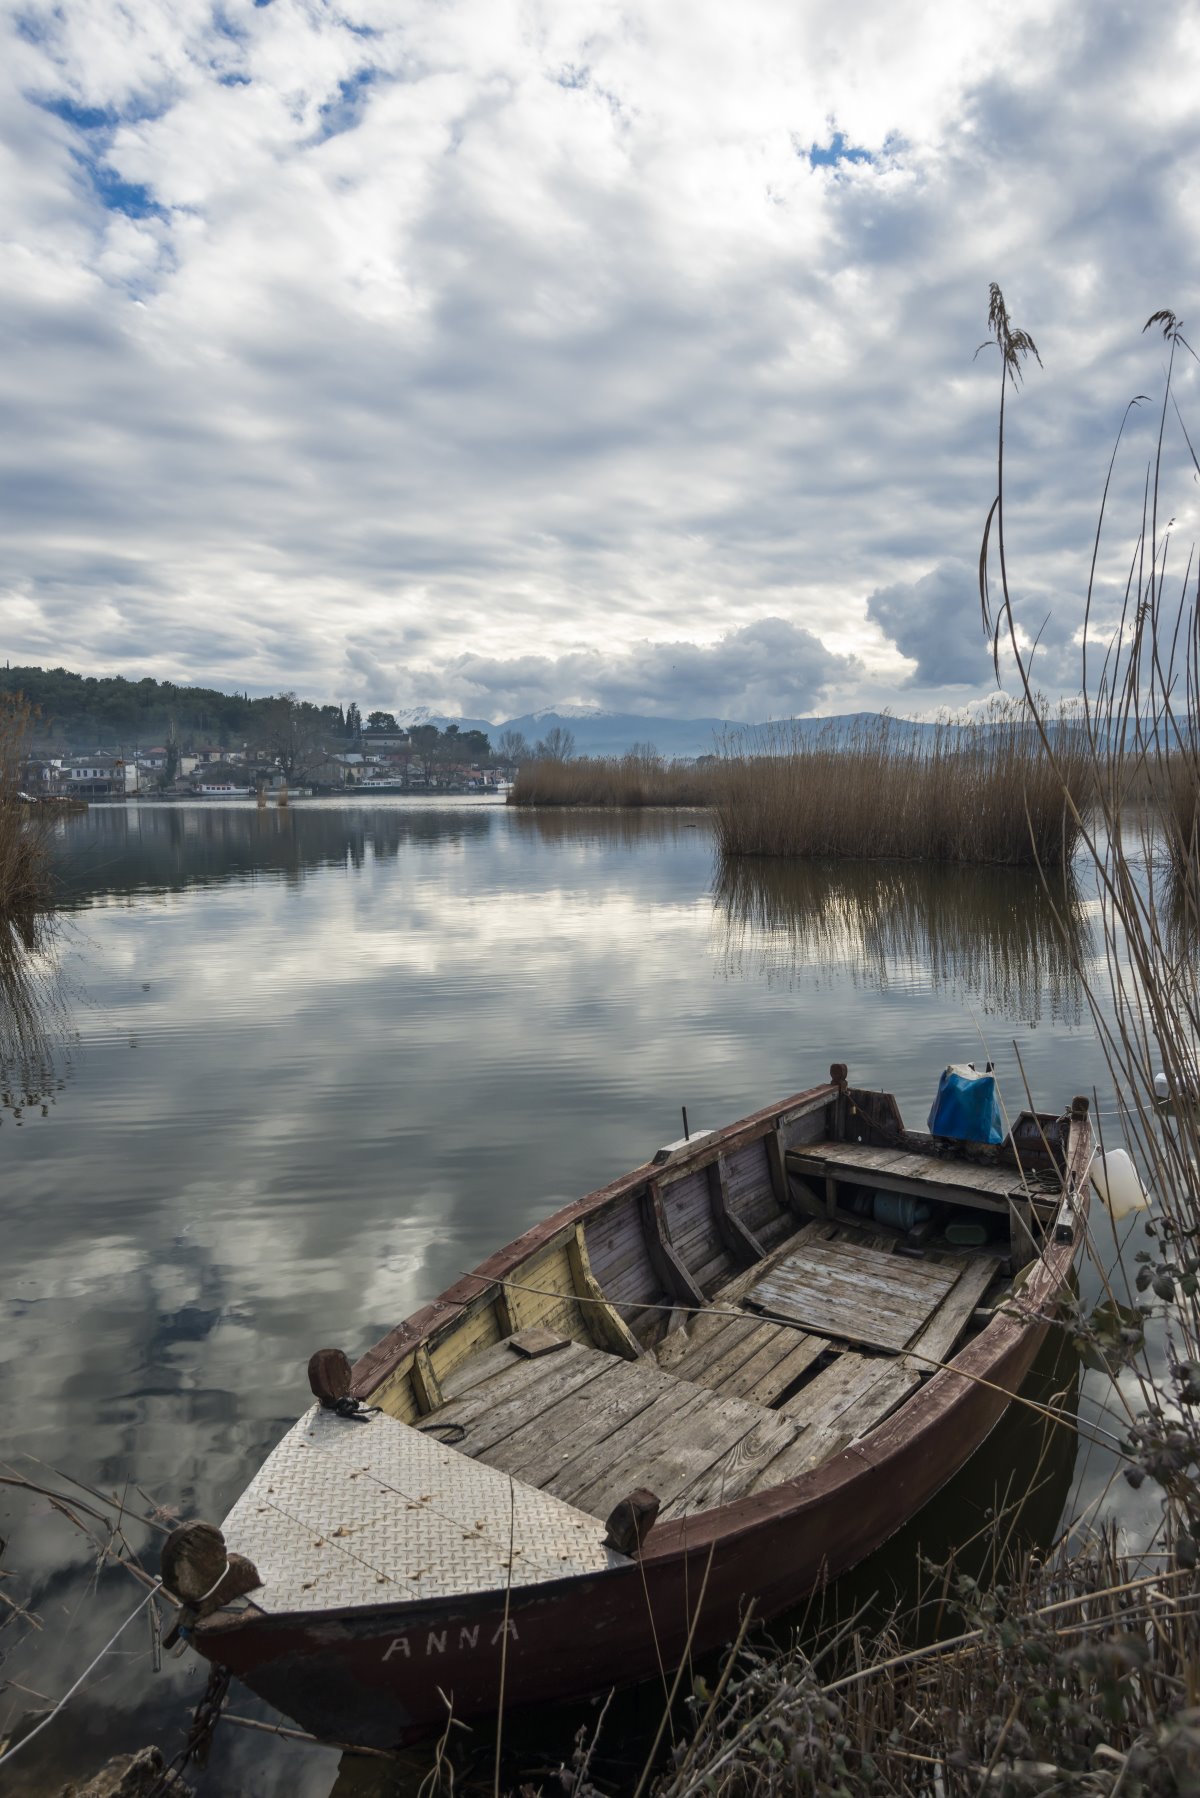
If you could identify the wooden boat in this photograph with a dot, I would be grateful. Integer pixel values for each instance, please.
(725, 1340)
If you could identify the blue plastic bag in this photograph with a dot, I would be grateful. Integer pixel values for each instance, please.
(966, 1108)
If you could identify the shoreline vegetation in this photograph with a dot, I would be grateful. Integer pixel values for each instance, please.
(24, 869)
(970, 789)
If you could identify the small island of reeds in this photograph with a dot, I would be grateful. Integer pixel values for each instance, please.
(971, 789)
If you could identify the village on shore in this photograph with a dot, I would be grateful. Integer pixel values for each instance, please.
(379, 757)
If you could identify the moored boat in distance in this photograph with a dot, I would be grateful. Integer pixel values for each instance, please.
(726, 1377)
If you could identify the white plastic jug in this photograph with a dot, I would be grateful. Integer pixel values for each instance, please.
(1116, 1180)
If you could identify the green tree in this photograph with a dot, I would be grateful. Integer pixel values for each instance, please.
(382, 721)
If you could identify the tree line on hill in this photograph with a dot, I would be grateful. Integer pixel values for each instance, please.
(77, 711)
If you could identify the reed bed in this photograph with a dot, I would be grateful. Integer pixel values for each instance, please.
(973, 789)
(24, 878)
(641, 778)
(1074, 1677)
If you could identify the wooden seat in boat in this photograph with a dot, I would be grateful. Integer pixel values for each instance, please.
(905, 1171)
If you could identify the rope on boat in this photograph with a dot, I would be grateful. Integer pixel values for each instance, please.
(51, 1715)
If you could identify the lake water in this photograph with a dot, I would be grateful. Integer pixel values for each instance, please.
(319, 1061)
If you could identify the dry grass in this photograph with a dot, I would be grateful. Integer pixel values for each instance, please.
(975, 789)
(24, 878)
(640, 778)
(1070, 1677)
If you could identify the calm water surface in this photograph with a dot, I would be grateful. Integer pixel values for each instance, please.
(323, 1060)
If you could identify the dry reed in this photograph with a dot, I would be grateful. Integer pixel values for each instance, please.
(641, 778)
(24, 881)
(1067, 1677)
(972, 789)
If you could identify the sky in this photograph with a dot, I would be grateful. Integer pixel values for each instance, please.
(494, 356)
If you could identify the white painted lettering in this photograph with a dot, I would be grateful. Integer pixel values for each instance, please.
(511, 1628)
(398, 1645)
(468, 1638)
(436, 1637)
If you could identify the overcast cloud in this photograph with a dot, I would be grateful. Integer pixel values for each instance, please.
(489, 356)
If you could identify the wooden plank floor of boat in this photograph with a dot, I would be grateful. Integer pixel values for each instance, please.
(735, 1402)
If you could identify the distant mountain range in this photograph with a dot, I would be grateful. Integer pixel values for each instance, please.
(615, 733)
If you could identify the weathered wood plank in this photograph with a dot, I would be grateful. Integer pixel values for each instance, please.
(772, 1370)
(672, 1274)
(486, 1365)
(715, 1345)
(692, 1227)
(841, 1386)
(620, 1259)
(861, 1295)
(731, 1350)
(937, 1339)
(738, 1238)
(824, 1305)
(675, 1445)
(988, 1186)
(864, 1258)
(580, 1422)
(598, 1475)
(864, 1402)
(734, 1290)
(736, 1470)
(604, 1322)
(491, 1411)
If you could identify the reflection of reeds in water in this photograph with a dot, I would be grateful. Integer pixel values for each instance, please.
(988, 932)
(626, 829)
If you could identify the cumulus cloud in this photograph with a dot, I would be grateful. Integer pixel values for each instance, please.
(936, 623)
(761, 669)
(352, 343)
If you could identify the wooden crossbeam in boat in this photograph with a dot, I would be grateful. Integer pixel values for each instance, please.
(737, 1237)
(918, 1176)
(667, 1265)
(606, 1326)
